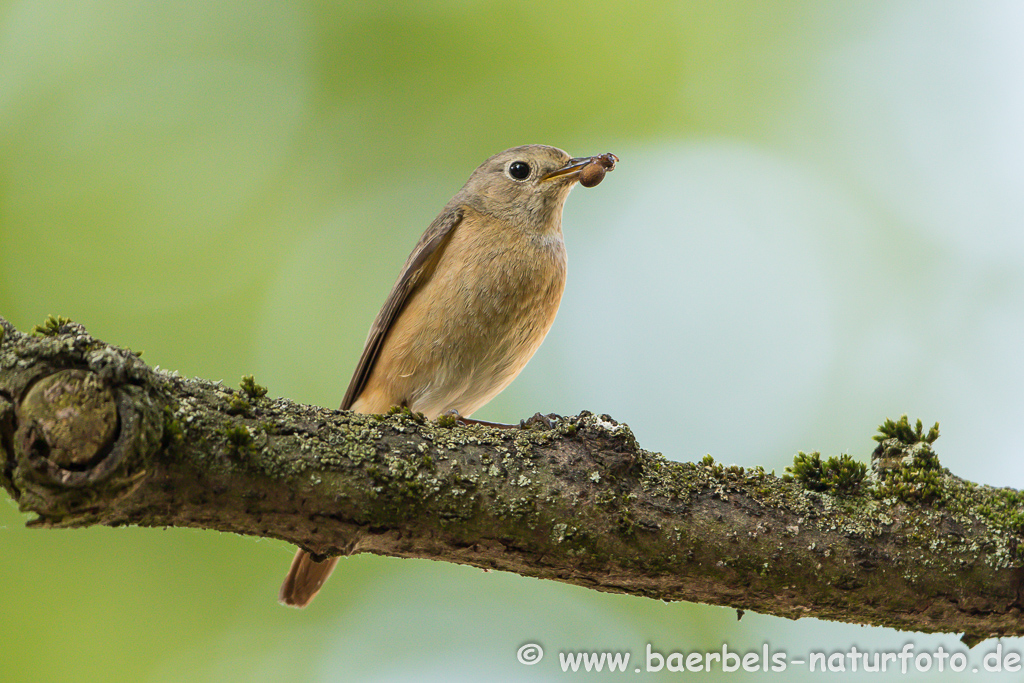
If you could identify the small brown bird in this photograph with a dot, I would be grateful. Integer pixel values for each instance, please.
(472, 304)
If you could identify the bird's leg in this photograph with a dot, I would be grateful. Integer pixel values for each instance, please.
(469, 421)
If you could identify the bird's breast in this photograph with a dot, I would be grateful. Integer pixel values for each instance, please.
(481, 315)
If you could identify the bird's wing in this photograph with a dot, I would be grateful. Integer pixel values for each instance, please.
(418, 267)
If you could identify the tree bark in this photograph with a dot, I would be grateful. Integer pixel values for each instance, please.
(89, 434)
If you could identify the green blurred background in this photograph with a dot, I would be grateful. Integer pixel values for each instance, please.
(815, 225)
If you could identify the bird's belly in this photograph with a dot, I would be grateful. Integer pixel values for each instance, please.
(471, 368)
(480, 339)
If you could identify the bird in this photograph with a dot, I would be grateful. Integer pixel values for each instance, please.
(472, 304)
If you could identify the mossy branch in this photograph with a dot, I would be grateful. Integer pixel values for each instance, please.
(89, 434)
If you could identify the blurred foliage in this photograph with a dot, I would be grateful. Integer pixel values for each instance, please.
(232, 186)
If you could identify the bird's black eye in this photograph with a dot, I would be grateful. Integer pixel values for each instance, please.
(519, 170)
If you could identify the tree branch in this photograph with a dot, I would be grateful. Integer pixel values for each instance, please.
(89, 434)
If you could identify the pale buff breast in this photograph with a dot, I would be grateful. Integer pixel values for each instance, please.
(467, 333)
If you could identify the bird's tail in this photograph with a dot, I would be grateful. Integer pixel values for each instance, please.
(305, 578)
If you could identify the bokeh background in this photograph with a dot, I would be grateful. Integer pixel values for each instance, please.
(816, 224)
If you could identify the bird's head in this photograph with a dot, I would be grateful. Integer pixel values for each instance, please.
(528, 185)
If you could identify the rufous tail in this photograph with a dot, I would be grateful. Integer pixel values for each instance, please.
(305, 578)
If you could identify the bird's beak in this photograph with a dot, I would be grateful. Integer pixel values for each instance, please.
(573, 167)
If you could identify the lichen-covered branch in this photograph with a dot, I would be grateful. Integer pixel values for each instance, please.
(89, 434)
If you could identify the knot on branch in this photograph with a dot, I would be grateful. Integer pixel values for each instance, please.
(69, 437)
(67, 424)
(611, 444)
